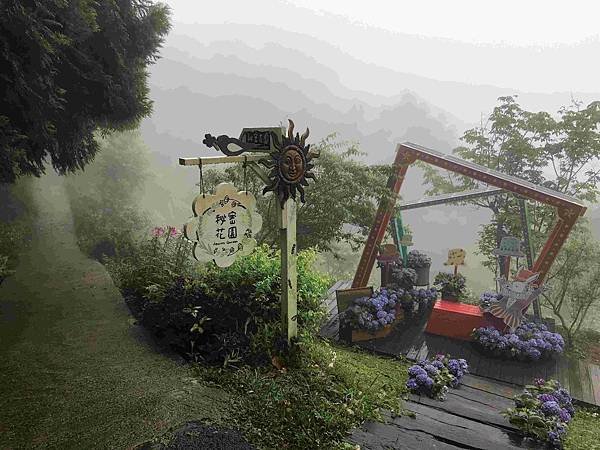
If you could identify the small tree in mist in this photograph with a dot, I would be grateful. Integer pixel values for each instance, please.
(67, 69)
(105, 197)
(340, 204)
(562, 153)
(575, 283)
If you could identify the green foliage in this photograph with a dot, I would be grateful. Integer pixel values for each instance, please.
(340, 204)
(15, 224)
(220, 316)
(584, 431)
(69, 68)
(574, 283)
(314, 403)
(528, 145)
(104, 198)
(450, 285)
(543, 411)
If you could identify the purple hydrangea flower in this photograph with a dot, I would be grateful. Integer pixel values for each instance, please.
(551, 408)
(546, 398)
(432, 371)
(411, 384)
(414, 371)
(564, 416)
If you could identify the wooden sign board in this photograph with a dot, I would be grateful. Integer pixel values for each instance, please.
(224, 225)
(344, 297)
(261, 139)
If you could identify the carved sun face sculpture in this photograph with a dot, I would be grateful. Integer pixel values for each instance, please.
(289, 166)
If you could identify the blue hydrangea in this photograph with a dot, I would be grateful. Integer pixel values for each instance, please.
(551, 408)
(411, 384)
(424, 380)
(414, 371)
(546, 398)
(431, 370)
(564, 416)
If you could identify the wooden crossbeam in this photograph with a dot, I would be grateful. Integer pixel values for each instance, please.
(219, 160)
(450, 198)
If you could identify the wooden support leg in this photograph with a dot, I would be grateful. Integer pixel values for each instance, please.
(289, 276)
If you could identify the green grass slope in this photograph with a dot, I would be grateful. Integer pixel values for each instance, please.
(74, 372)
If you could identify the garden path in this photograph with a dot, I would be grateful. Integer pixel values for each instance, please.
(74, 370)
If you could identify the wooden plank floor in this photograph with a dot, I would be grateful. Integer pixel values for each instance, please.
(410, 340)
(468, 418)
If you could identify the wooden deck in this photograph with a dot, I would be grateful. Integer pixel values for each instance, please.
(469, 418)
(580, 378)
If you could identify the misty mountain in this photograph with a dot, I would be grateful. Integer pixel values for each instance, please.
(216, 83)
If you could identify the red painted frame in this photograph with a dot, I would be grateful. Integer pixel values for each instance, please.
(569, 209)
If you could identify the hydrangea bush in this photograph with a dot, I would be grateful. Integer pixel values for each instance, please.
(433, 377)
(372, 313)
(530, 341)
(487, 298)
(418, 260)
(543, 412)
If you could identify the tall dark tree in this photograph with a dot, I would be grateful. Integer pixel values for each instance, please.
(68, 69)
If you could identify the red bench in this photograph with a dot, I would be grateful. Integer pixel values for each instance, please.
(457, 320)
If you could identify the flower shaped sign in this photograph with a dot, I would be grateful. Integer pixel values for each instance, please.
(224, 225)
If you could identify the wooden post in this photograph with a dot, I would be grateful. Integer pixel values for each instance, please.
(289, 275)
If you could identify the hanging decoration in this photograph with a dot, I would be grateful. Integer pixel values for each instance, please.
(290, 166)
(509, 246)
(515, 297)
(224, 225)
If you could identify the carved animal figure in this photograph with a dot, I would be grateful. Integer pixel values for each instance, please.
(516, 296)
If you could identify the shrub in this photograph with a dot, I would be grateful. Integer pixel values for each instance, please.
(543, 411)
(219, 316)
(418, 260)
(433, 377)
(315, 403)
(530, 341)
(371, 313)
(450, 285)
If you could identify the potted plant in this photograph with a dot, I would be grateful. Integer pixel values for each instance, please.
(402, 277)
(424, 298)
(452, 287)
(421, 263)
(371, 317)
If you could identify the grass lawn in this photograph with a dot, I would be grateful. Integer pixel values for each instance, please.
(584, 431)
(73, 371)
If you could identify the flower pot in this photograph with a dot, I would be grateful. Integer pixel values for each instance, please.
(364, 335)
(399, 312)
(449, 296)
(422, 276)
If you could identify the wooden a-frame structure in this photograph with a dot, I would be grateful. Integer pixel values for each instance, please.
(569, 209)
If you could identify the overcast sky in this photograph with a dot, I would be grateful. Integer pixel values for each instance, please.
(532, 45)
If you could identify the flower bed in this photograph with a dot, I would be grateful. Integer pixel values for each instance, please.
(529, 342)
(371, 313)
(543, 411)
(433, 377)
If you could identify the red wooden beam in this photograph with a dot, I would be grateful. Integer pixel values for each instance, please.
(569, 209)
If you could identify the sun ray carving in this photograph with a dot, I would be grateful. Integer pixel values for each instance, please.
(289, 166)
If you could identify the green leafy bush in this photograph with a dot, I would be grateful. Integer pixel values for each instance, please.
(220, 316)
(543, 412)
(450, 285)
(313, 403)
